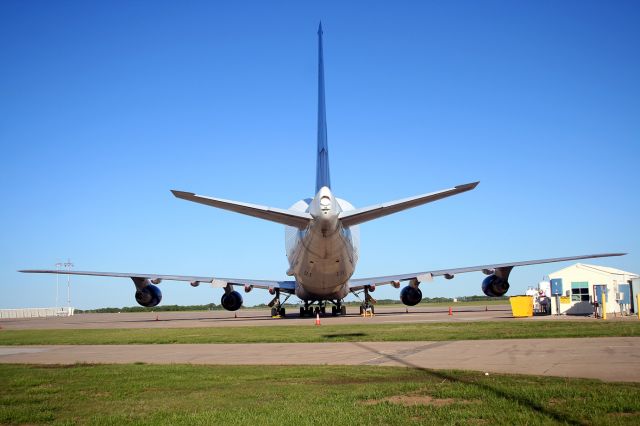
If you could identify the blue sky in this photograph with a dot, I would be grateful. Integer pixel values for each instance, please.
(106, 106)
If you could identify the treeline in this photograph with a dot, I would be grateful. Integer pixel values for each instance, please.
(163, 308)
(214, 307)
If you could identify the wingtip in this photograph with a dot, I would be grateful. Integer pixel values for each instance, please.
(320, 28)
(468, 186)
(180, 194)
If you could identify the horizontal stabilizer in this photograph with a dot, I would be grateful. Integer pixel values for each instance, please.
(365, 214)
(285, 217)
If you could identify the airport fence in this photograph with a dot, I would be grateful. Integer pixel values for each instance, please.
(36, 312)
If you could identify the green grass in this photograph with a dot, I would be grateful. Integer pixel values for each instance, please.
(268, 395)
(326, 333)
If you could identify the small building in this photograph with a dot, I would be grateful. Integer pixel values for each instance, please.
(577, 287)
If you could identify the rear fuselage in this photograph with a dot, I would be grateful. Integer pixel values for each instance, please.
(323, 256)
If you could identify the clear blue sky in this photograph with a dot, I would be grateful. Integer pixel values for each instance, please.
(106, 106)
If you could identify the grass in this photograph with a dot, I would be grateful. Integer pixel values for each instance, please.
(326, 333)
(362, 395)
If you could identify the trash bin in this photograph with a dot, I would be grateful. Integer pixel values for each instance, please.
(521, 306)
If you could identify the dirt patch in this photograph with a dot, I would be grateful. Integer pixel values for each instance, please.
(633, 414)
(411, 400)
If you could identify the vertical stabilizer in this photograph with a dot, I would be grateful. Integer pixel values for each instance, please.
(322, 165)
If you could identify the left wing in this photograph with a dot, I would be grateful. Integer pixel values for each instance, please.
(359, 284)
(284, 286)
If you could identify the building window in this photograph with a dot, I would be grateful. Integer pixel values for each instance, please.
(580, 291)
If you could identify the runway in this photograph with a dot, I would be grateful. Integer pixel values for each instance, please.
(256, 317)
(605, 358)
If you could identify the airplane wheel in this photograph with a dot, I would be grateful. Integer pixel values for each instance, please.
(343, 310)
(334, 311)
(274, 312)
(361, 309)
(302, 312)
(323, 310)
(373, 310)
(282, 312)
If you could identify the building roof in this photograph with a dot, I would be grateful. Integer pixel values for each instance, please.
(605, 270)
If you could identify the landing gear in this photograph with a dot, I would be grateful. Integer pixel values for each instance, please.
(321, 308)
(367, 305)
(306, 310)
(338, 309)
(277, 312)
(277, 308)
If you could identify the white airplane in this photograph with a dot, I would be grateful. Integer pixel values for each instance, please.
(322, 246)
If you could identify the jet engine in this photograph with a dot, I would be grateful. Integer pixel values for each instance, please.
(494, 286)
(148, 296)
(410, 296)
(231, 301)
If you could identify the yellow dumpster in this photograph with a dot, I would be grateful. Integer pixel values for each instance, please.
(521, 306)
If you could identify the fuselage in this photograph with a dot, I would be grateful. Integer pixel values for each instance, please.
(323, 256)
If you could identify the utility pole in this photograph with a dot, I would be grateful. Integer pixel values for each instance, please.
(58, 266)
(68, 265)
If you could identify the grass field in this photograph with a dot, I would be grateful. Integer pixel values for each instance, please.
(334, 333)
(260, 395)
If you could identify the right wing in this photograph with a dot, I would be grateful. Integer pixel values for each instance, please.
(286, 217)
(360, 283)
(365, 214)
(285, 286)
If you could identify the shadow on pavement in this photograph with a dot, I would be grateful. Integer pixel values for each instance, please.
(509, 396)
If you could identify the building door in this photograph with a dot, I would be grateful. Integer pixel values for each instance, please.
(625, 292)
(598, 290)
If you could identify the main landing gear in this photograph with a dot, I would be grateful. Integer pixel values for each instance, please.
(277, 306)
(367, 305)
(309, 310)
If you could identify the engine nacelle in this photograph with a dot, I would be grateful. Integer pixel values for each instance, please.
(231, 301)
(494, 286)
(248, 288)
(410, 296)
(372, 287)
(149, 296)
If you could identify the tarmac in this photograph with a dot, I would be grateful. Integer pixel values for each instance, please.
(607, 358)
(262, 317)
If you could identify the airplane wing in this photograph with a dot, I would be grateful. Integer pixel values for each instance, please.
(359, 284)
(284, 286)
(285, 217)
(365, 214)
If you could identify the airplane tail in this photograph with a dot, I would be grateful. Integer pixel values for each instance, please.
(322, 164)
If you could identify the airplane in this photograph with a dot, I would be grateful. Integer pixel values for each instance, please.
(322, 246)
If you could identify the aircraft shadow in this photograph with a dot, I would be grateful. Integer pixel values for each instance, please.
(510, 396)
